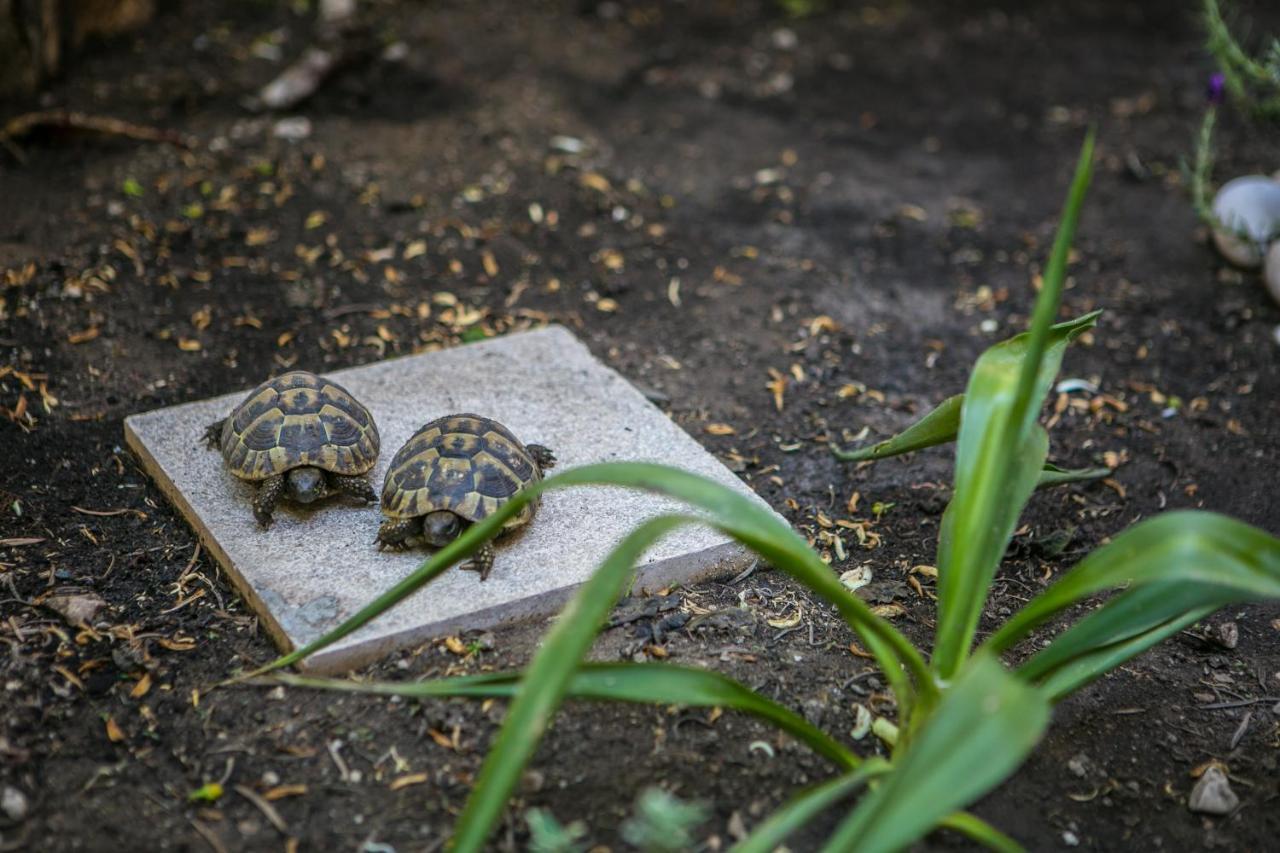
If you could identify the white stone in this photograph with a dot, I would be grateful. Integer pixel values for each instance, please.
(1271, 271)
(316, 566)
(1249, 210)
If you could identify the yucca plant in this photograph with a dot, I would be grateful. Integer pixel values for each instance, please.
(965, 721)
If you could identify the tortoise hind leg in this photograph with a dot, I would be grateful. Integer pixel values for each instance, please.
(481, 561)
(213, 434)
(542, 455)
(357, 487)
(267, 497)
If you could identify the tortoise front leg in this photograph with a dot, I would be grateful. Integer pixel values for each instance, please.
(213, 434)
(542, 456)
(481, 561)
(268, 496)
(394, 531)
(357, 487)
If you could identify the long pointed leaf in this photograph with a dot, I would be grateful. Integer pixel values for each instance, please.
(937, 427)
(1051, 475)
(1001, 449)
(731, 512)
(644, 683)
(545, 682)
(1084, 668)
(1189, 547)
(805, 806)
(941, 425)
(980, 732)
(1130, 614)
(977, 829)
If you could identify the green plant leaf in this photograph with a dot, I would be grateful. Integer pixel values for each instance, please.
(937, 427)
(734, 513)
(645, 683)
(805, 806)
(1086, 666)
(977, 829)
(546, 681)
(1227, 560)
(943, 423)
(980, 732)
(1001, 449)
(1051, 475)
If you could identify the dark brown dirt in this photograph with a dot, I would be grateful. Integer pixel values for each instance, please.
(898, 173)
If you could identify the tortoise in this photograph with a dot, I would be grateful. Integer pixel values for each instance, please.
(454, 471)
(298, 436)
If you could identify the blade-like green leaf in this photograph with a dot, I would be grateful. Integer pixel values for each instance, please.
(1000, 448)
(1132, 613)
(805, 806)
(977, 829)
(1190, 548)
(982, 729)
(644, 683)
(1098, 661)
(546, 680)
(1051, 475)
(942, 424)
(937, 427)
(735, 514)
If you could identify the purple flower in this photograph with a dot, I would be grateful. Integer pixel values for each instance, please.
(1217, 89)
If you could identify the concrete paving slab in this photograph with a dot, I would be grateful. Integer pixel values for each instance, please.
(316, 566)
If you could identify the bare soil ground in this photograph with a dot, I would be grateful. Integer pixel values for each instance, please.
(796, 228)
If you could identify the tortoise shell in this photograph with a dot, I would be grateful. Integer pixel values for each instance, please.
(467, 464)
(299, 419)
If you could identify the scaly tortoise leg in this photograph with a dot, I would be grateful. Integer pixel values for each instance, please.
(213, 435)
(394, 531)
(481, 561)
(357, 487)
(269, 492)
(542, 456)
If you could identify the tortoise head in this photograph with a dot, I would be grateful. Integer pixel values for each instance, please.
(441, 527)
(306, 484)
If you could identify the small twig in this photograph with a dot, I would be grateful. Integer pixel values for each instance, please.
(265, 807)
(333, 746)
(1241, 729)
(1218, 706)
(106, 513)
(744, 574)
(210, 836)
(24, 124)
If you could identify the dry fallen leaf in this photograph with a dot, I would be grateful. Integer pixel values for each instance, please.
(114, 734)
(142, 687)
(77, 606)
(405, 781)
(279, 792)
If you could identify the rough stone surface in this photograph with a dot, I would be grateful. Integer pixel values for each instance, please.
(317, 566)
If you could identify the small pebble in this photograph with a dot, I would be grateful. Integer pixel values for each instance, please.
(1070, 839)
(1228, 635)
(13, 803)
(293, 128)
(1212, 795)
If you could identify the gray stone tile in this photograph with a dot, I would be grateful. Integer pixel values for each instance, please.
(315, 567)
